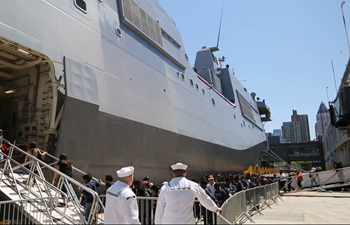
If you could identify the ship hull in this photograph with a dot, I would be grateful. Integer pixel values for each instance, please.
(124, 101)
(118, 142)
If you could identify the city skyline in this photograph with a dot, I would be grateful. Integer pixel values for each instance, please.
(295, 130)
(321, 124)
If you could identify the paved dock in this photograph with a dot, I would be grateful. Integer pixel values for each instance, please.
(306, 207)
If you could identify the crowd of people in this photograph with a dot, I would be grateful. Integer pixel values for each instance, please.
(217, 188)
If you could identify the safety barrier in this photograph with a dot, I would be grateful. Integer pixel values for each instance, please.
(26, 211)
(251, 201)
(35, 185)
(236, 209)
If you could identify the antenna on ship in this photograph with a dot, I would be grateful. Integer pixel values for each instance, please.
(214, 49)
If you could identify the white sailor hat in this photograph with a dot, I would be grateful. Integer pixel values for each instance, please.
(179, 166)
(125, 171)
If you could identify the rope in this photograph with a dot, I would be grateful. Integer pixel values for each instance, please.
(274, 156)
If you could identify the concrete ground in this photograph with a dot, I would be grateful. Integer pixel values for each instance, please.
(308, 207)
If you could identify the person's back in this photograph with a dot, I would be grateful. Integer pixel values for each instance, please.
(115, 208)
(176, 198)
(121, 205)
(179, 195)
(65, 167)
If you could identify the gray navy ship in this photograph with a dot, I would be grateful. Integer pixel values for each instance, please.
(109, 83)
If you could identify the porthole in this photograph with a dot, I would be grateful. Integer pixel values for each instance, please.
(182, 76)
(178, 74)
(234, 116)
(244, 123)
(203, 91)
(81, 5)
(191, 82)
(197, 87)
(118, 31)
(213, 101)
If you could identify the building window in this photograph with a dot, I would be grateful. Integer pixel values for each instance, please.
(197, 87)
(182, 76)
(81, 5)
(213, 101)
(178, 74)
(191, 82)
(203, 91)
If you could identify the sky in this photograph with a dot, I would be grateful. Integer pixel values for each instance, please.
(282, 50)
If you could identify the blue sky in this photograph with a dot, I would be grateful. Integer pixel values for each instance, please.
(283, 49)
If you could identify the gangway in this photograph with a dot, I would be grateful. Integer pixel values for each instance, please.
(336, 179)
(329, 179)
(25, 186)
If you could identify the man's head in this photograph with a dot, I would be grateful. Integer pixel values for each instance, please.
(145, 182)
(217, 186)
(155, 190)
(203, 184)
(87, 178)
(137, 184)
(179, 170)
(109, 179)
(222, 184)
(211, 179)
(126, 174)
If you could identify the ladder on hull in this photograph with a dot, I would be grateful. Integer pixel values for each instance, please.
(37, 200)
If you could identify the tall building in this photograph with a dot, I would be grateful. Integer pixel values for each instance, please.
(304, 125)
(297, 130)
(322, 120)
(292, 132)
(277, 132)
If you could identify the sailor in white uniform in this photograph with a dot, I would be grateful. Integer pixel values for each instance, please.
(175, 201)
(121, 205)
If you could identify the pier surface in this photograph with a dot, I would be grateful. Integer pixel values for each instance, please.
(308, 207)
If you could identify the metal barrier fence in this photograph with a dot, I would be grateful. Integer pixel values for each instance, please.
(25, 212)
(239, 208)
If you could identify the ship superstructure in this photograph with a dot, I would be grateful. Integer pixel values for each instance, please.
(109, 83)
